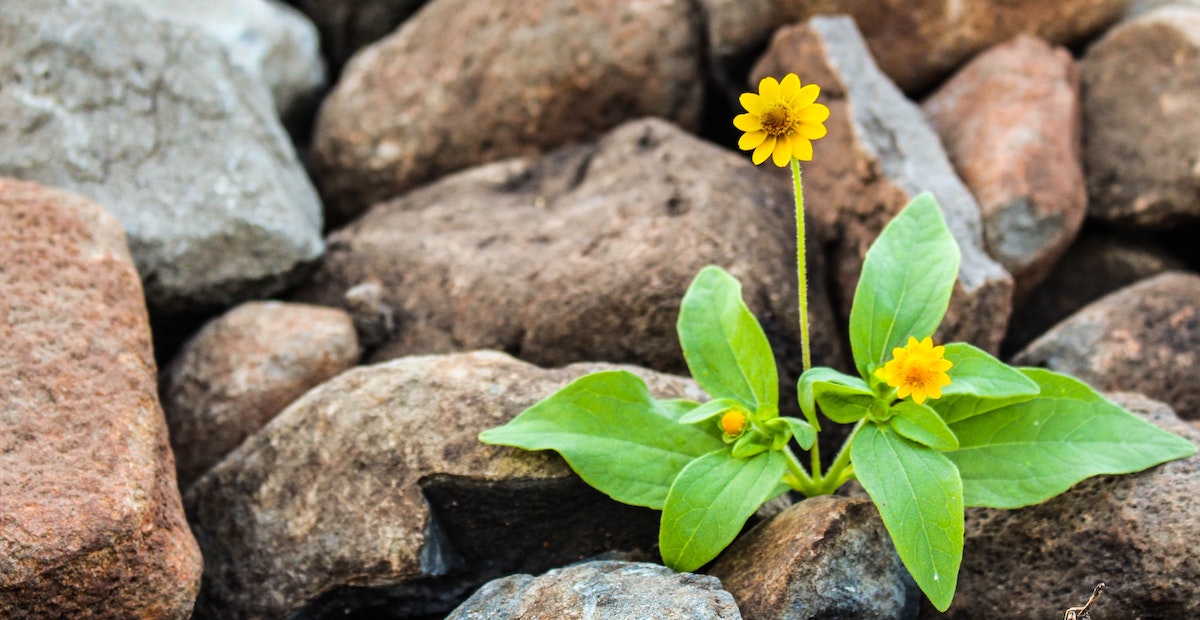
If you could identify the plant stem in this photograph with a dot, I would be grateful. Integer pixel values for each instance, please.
(802, 270)
(806, 485)
(838, 473)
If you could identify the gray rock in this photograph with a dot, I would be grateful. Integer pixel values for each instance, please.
(150, 120)
(601, 591)
(880, 153)
(1141, 120)
(1138, 7)
(1143, 338)
(583, 254)
(376, 479)
(349, 25)
(826, 557)
(1136, 533)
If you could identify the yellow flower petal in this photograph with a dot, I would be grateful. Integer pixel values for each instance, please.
(905, 390)
(802, 148)
(747, 122)
(918, 395)
(752, 102)
(812, 132)
(815, 113)
(789, 86)
(782, 155)
(763, 151)
(806, 96)
(751, 140)
(768, 89)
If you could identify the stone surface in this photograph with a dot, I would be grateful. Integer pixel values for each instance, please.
(1136, 533)
(151, 121)
(522, 77)
(376, 479)
(91, 524)
(242, 369)
(348, 25)
(1143, 338)
(826, 557)
(879, 153)
(270, 40)
(601, 591)
(1010, 122)
(916, 42)
(1141, 119)
(1096, 264)
(583, 254)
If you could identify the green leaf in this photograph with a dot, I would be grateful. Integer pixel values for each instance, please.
(1028, 452)
(613, 434)
(923, 425)
(980, 383)
(751, 443)
(842, 404)
(919, 495)
(710, 502)
(711, 409)
(906, 281)
(802, 431)
(820, 377)
(725, 347)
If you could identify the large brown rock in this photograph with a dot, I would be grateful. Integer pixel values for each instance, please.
(583, 254)
(881, 152)
(1010, 121)
(1141, 118)
(1143, 338)
(377, 479)
(521, 77)
(90, 519)
(243, 368)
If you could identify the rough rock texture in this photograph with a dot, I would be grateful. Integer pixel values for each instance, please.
(1010, 121)
(601, 591)
(348, 25)
(1141, 119)
(242, 369)
(91, 524)
(1143, 338)
(826, 557)
(1137, 533)
(1138, 7)
(880, 152)
(1096, 264)
(376, 478)
(917, 42)
(521, 77)
(583, 254)
(150, 120)
(268, 39)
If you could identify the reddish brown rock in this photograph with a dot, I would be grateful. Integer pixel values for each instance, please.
(90, 519)
(1141, 119)
(798, 565)
(465, 82)
(1143, 338)
(880, 152)
(1010, 121)
(244, 367)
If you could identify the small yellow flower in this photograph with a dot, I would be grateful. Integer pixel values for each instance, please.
(918, 369)
(781, 120)
(733, 422)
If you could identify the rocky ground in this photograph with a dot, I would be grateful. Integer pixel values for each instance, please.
(365, 231)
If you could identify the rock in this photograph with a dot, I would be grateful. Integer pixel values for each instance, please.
(242, 369)
(1141, 119)
(1138, 7)
(523, 77)
(879, 154)
(376, 479)
(348, 25)
(1098, 263)
(1136, 533)
(601, 591)
(270, 40)
(826, 557)
(1144, 338)
(915, 42)
(1018, 152)
(584, 254)
(91, 525)
(151, 120)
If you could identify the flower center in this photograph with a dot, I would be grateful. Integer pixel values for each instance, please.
(733, 422)
(776, 120)
(917, 374)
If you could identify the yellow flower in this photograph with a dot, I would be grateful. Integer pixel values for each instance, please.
(781, 120)
(918, 369)
(733, 422)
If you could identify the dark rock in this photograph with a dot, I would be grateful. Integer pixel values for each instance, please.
(521, 78)
(242, 369)
(1010, 121)
(91, 524)
(1144, 338)
(601, 591)
(879, 154)
(826, 557)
